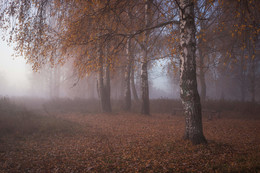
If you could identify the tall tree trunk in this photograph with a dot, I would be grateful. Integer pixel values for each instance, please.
(252, 70)
(188, 83)
(51, 83)
(242, 77)
(104, 89)
(145, 109)
(145, 89)
(122, 84)
(127, 96)
(100, 83)
(107, 88)
(253, 80)
(202, 78)
(91, 85)
(133, 85)
(56, 81)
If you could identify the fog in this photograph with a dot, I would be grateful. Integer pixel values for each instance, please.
(18, 79)
(14, 73)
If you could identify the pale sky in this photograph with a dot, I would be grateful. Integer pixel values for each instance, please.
(14, 71)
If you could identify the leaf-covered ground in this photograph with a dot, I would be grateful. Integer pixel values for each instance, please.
(125, 143)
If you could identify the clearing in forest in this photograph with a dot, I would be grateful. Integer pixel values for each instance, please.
(75, 142)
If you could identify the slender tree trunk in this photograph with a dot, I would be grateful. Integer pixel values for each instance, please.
(202, 78)
(127, 96)
(51, 83)
(91, 87)
(203, 87)
(107, 88)
(144, 73)
(252, 70)
(242, 78)
(122, 84)
(188, 83)
(56, 82)
(145, 89)
(97, 86)
(100, 83)
(133, 85)
(253, 80)
(104, 89)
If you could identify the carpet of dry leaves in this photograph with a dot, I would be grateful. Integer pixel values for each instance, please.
(123, 142)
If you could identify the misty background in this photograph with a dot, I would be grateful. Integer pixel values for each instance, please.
(18, 79)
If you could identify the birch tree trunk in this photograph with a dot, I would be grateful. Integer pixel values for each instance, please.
(145, 88)
(144, 73)
(104, 89)
(107, 88)
(135, 95)
(127, 95)
(188, 83)
(100, 83)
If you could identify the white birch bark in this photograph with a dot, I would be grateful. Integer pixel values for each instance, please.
(144, 73)
(188, 83)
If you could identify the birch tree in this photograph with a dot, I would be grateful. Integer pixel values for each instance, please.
(144, 63)
(188, 83)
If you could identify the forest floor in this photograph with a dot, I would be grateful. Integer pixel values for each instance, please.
(124, 142)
